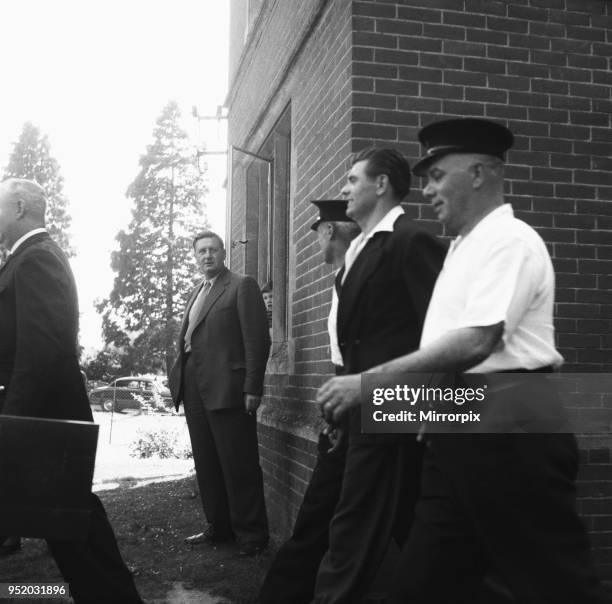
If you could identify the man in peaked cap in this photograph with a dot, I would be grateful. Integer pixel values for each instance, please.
(291, 576)
(488, 501)
(330, 210)
(466, 135)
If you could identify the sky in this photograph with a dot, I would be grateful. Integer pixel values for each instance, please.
(94, 77)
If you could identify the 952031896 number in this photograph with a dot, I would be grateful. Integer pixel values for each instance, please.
(33, 590)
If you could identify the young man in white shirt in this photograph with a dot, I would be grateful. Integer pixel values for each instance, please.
(384, 290)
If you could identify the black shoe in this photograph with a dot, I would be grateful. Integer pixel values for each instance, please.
(10, 545)
(209, 536)
(248, 550)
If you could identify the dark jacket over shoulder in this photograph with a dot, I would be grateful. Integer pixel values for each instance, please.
(38, 335)
(384, 299)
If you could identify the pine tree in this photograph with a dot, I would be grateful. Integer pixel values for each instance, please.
(154, 265)
(31, 158)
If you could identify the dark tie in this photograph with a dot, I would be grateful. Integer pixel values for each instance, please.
(194, 313)
(338, 281)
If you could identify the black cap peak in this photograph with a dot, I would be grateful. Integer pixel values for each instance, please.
(462, 135)
(330, 210)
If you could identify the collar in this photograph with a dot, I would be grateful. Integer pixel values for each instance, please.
(503, 211)
(221, 274)
(385, 224)
(211, 281)
(25, 237)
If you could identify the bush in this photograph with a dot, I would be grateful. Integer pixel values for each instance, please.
(163, 443)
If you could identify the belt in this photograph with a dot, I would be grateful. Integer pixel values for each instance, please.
(421, 435)
(547, 369)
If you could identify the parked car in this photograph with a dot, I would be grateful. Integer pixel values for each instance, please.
(94, 384)
(134, 393)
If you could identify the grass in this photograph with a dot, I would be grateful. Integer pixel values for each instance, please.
(150, 523)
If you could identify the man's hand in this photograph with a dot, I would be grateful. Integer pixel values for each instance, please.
(336, 435)
(338, 395)
(251, 403)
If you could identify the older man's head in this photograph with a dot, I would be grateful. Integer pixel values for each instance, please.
(22, 208)
(464, 169)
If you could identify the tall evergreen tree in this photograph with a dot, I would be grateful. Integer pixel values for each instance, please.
(31, 158)
(154, 266)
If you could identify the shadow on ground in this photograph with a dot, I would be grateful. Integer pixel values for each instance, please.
(151, 522)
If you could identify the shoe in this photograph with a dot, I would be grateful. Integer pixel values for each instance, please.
(248, 550)
(9, 545)
(209, 536)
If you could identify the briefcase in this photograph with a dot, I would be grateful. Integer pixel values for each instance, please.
(46, 471)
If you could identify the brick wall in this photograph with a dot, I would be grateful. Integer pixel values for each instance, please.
(321, 146)
(543, 68)
(302, 56)
(595, 500)
(265, 81)
(376, 72)
(286, 461)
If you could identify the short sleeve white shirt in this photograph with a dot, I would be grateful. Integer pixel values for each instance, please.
(499, 272)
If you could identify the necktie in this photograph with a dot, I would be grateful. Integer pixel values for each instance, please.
(338, 281)
(194, 313)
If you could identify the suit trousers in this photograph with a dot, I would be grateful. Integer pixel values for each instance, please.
(503, 503)
(226, 457)
(379, 491)
(94, 568)
(291, 577)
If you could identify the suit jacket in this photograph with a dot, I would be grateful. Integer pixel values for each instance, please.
(38, 335)
(229, 345)
(383, 301)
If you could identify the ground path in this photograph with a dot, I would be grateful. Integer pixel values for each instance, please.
(116, 468)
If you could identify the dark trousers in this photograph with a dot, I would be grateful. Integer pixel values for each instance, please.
(226, 457)
(503, 502)
(379, 490)
(94, 568)
(291, 577)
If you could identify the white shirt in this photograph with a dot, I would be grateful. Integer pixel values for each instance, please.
(354, 249)
(334, 348)
(25, 238)
(500, 271)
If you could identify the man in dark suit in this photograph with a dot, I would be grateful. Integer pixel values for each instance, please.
(384, 289)
(218, 376)
(40, 374)
(291, 576)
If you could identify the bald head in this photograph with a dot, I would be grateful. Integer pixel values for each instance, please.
(22, 209)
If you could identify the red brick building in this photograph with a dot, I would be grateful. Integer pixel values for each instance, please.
(313, 81)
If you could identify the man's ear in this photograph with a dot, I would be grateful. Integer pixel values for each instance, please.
(20, 209)
(382, 184)
(478, 171)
